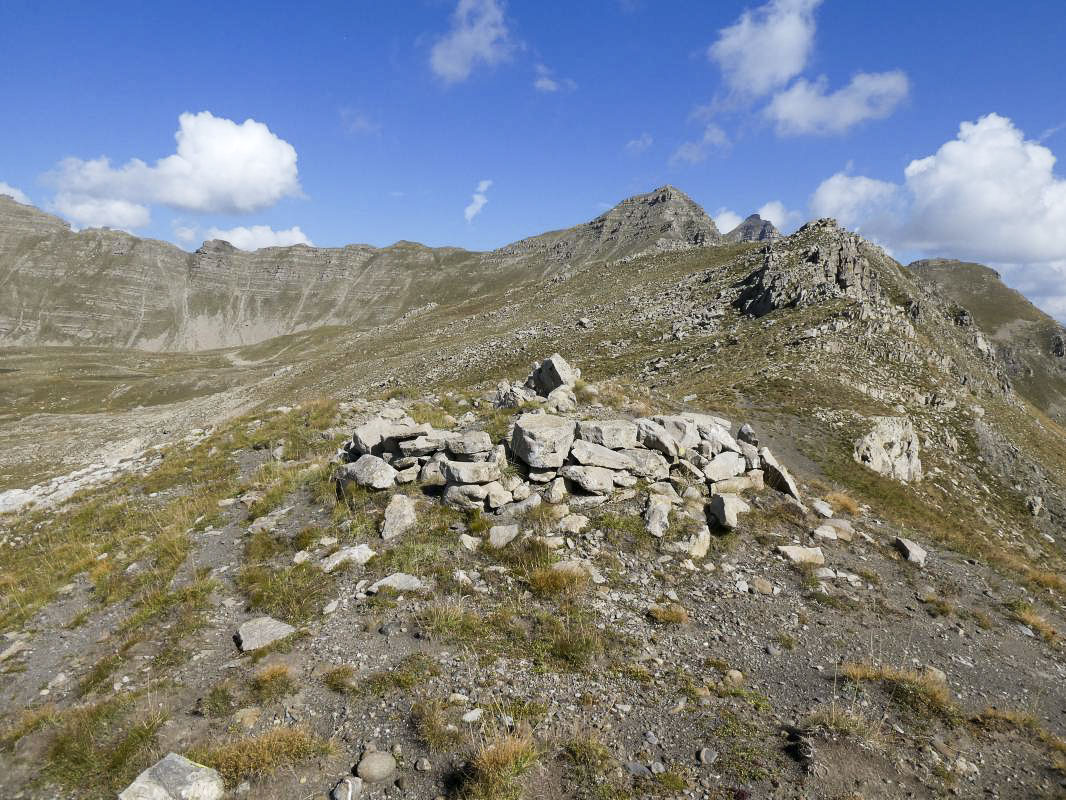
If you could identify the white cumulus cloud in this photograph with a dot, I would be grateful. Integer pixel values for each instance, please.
(854, 200)
(101, 212)
(766, 47)
(988, 195)
(478, 35)
(808, 106)
(764, 54)
(255, 236)
(726, 219)
(219, 166)
(696, 151)
(478, 200)
(14, 193)
(637, 146)
(784, 219)
(545, 81)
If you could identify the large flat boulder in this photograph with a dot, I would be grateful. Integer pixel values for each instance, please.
(542, 440)
(648, 464)
(596, 455)
(594, 480)
(370, 471)
(260, 632)
(470, 471)
(616, 434)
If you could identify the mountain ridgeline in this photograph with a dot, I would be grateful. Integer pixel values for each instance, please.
(108, 288)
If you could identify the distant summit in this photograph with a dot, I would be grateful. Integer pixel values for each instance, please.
(753, 229)
(662, 220)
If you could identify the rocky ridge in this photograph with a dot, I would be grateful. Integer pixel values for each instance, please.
(161, 298)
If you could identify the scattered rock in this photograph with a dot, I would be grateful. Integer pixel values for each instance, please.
(371, 471)
(357, 554)
(502, 535)
(724, 508)
(376, 766)
(911, 550)
(398, 581)
(802, 555)
(400, 517)
(260, 632)
(175, 777)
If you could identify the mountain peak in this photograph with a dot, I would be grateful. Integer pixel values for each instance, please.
(753, 229)
(661, 220)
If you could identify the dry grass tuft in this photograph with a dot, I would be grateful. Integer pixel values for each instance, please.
(498, 766)
(339, 679)
(432, 727)
(842, 501)
(272, 683)
(1027, 615)
(586, 750)
(922, 692)
(669, 614)
(257, 756)
(452, 620)
(28, 721)
(847, 722)
(548, 582)
(294, 594)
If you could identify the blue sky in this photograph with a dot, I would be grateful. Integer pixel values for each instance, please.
(377, 122)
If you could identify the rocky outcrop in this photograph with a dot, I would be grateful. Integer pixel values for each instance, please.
(820, 262)
(753, 229)
(891, 449)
